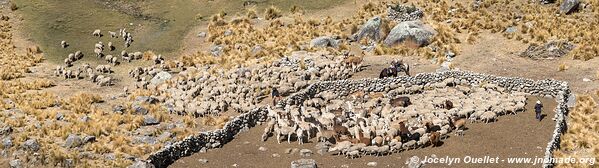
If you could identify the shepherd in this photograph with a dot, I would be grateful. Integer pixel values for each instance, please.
(275, 96)
(396, 67)
(538, 109)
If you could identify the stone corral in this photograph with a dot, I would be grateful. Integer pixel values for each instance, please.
(545, 88)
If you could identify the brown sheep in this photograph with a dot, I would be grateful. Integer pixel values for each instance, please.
(435, 139)
(354, 61)
(458, 123)
(401, 102)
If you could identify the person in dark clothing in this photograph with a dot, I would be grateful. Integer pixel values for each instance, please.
(275, 96)
(538, 109)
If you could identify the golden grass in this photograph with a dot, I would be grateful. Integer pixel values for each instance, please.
(562, 67)
(580, 141)
(217, 122)
(272, 13)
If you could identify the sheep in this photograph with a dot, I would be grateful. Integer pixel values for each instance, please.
(458, 123)
(78, 55)
(108, 58)
(435, 138)
(107, 81)
(284, 131)
(97, 32)
(268, 130)
(98, 52)
(137, 55)
(99, 45)
(352, 154)
(64, 44)
(114, 61)
(488, 116)
(68, 62)
(340, 147)
(110, 46)
(113, 34)
(409, 145)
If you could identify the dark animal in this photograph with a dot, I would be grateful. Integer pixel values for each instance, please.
(415, 136)
(401, 102)
(403, 132)
(432, 128)
(435, 138)
(396, 67)
(448, 104)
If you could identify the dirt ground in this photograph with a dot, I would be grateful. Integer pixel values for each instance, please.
(511, 136)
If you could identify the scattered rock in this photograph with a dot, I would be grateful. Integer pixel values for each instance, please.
(276, 155)
(146, 99)
(511, 29)
(324, 41)
(89, 139)
(304, 163)
(586, 80)
(31, 145)
(146, 139)
(305, 152)
(7, 142)
(569, 6)
(202, 34)
(119, 109)
(141, 164)
(263, 149)
(165, 136)
(235, 165)
(571, 101)
(150, 120)
(372, 164)
(203, 161)
(415, 31)
(59, 116)
(552, 49)
(16, 163)
(160, 77)
(73, 141)
(5, 130)
(288, 151)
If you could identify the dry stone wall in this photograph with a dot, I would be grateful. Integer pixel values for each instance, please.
(213, 139)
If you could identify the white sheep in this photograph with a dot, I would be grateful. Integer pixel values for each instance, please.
(488, 116)
(64, 44)
(97, 32)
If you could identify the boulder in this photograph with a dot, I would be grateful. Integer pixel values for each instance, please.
(324, 41)
(161, 77)
(16, 163)
(73, 141)
(6, 143)
(415, 31)
(88, 139)
(569, 6)
(150, 120)
(414, 162)
(372, 164)
(304, 163)
(146, 99)
(370, 29)
(118, 109)
(305, 152)
(31, 145)
(140, 110)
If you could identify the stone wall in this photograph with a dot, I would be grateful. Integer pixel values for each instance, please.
(545, 88)
(206, 140)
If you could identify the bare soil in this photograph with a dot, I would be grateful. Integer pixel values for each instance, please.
(511, 136)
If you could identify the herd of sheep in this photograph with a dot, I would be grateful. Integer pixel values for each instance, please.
(203, 90)
(380, 123)
(98, 75)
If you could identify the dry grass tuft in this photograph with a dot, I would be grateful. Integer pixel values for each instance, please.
(272, 13)
(583, 133)
(562, 67)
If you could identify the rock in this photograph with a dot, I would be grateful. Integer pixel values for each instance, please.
(571, 101)
(118, 109)
(165, 136)
(145, 139)
(141, 164)
(5, 130)
(414, 162)
(150, 120)
(370, 29)
(88, 139)
(288, 151)
(140, 110)
(202, 34)
(586, 80)
(410, 30)
(73, 141)
(160, 77)
(216, 50)
(324, 41)
(551, 49)
(235, 165)
(402, 13)
(263, 149)
(371, 164)
(16, 163)
(146, 99)
(31, 145)
(304, 163)
(511, 29)
(203, 161)
(6, 142)
(276, 155)
(59, 116)
(305, 152)
(322, 147)
(569, 6)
